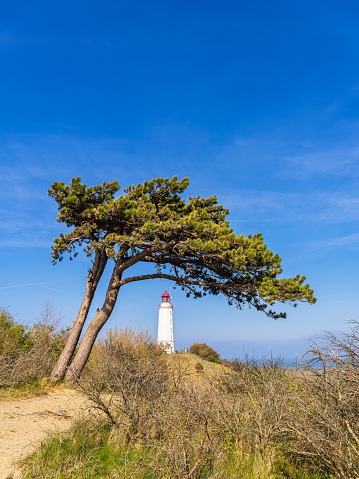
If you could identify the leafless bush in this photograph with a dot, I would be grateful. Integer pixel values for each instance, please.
(29, 353)
(191, 433)
(324, 425)
(190, 425)
(151, 400)
(126, 378)
(259, 411)
(254, 409)
(310, 414)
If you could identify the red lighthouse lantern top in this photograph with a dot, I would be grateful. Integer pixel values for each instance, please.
(165, 298)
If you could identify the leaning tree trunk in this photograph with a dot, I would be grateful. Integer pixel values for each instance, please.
(89, 338)
(94, 277)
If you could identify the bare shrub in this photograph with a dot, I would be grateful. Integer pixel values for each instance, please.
(325, 415)
(151, 401)
(29, 353)
(259, 415)
(190, 440)
(258, 420)
(254, 409)
(126, 378)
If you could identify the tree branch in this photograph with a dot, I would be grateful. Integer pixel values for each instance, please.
(140, 256)
(176, 279)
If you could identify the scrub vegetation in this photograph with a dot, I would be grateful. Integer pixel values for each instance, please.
(205, 352)
(154, 416)
(28, 354)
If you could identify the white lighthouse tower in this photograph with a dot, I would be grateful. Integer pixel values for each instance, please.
(165, 324)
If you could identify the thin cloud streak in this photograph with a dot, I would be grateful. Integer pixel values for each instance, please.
(340, 240)
(281, 207)
(53, 289)
(336, 162)
(27, 284)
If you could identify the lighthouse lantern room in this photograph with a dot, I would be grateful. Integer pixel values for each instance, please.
(165, 324)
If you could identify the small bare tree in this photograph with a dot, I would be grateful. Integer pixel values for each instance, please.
(150, 399)
(191, 432)
(324, 425)
(126, 379)
(255, 408)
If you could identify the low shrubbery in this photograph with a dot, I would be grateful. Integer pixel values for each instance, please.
(29, 353)
(257, 420)
(205, 352)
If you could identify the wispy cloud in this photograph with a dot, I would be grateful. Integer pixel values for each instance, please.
(273, 206)
(271, 183)
(340, 161)
(31, 243)
(26, 284)
(28, 167)
(22, 226)
(55, 158)
(336, 242)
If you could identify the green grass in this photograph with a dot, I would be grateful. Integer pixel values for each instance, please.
(87, 451)
(27, 389)
(84, 452)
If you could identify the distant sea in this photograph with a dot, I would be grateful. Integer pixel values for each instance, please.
(290, 362)
(287, 362)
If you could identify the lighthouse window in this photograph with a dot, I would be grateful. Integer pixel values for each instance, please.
(165, 300)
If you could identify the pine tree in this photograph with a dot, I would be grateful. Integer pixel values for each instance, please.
(188, 242)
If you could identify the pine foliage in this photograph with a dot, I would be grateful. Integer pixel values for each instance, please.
(188, 241)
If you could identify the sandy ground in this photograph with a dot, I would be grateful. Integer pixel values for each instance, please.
(24, 423)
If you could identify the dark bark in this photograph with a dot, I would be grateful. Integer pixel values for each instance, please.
(102, 316)
(95, 326)
(94, 277)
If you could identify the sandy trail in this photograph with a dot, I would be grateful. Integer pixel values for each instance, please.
(24, 423)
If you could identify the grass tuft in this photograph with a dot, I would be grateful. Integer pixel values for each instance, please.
(28, 389)
(87, 451)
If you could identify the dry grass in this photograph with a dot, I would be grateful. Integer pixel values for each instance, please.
(258, 420)
(26, 390)
(29, 354)
(195, 424)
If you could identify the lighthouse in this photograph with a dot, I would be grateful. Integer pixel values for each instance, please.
(165, 324)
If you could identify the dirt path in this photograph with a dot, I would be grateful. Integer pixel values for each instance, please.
(24, 423)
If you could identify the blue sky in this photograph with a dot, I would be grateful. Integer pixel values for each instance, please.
(256, 102)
